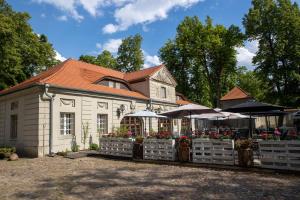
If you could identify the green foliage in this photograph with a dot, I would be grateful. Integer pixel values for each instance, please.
(201, 58)
(130, 55)
(23, 53)
(105, 59)
(122, 131)
(243, 144)
(85, 128)
(75, 148)
(250, 82)
(276, 26)
(94, 146)
(5, 152)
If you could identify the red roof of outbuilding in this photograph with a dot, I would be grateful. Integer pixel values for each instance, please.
(235, 93)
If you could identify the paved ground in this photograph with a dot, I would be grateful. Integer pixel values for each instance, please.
(96, 178)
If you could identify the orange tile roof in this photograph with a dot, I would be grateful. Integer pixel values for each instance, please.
(235, 93)
(182, 102)
(141, 74)
(75, 74)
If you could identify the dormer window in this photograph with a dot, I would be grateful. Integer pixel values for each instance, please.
(113, 84)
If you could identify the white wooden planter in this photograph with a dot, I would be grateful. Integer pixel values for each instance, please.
(280, 154)
(159, 149)
(213, 151)
(112, 146)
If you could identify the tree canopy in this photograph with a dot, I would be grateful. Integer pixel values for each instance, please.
(276, 26)
(130, 56)
(104, 59)
(23, 53)
(202, 57)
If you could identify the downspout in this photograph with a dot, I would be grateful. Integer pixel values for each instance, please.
(49, 97)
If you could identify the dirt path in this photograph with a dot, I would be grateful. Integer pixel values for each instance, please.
(96, 178)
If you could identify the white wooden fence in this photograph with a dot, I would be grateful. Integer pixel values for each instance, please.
(213, 151)
(112, 146)
(280, 154)
(159, 149)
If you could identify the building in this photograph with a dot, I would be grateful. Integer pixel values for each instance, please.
(49, 111)
(234, 97)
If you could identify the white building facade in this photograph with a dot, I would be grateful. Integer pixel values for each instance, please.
(48, 112)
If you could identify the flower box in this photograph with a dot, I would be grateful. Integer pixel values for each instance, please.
(113, 146)
(284, 154)
(159, 149)
(213, 151)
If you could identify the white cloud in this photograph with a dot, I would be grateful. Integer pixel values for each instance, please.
(126, 12)
(59, 57)
(245, 54)
(144, 11)
(68, 6)
(62, 18)
(43, 15)
(110, 28)
(150, 61)
(111, 45)
(93, 7)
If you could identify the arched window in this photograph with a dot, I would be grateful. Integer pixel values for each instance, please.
(185, 125)
(134, 124)
(164, 124)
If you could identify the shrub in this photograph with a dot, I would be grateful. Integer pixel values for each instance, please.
(94, 146)
(75, 148)
(5, 152)
(243, 144)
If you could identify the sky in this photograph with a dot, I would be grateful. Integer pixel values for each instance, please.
(77, 27)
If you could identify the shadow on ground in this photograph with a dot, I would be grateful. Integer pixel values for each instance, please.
(163, 182)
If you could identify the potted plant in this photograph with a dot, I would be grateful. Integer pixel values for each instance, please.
(184, 149)
(245, 152)
(138, 147)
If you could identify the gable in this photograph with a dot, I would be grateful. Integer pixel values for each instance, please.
(164, 76)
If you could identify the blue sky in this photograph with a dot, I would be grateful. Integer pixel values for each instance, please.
(77, 27)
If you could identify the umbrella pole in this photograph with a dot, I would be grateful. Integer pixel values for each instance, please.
(250, 128)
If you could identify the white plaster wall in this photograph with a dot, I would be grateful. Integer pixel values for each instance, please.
(27, 136)
(155, 88)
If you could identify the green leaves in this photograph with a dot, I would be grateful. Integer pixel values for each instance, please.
(22, 52)
(276, 25)
(201, 58)
(130, 56)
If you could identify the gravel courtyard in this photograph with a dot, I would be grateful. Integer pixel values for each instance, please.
(97, 178)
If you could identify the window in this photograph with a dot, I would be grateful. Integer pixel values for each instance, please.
(14, 105)
(163, 92)
(133, 124)
(13, 126)
(114, 84)
(102, 124)
(185, 125)
(164, 124)
(67, 123)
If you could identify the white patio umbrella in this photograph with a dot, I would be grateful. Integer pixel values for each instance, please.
(145, 113)
(189, 109)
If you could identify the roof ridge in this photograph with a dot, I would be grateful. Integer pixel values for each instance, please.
(243, 91)
(104, 68)
(60, 67)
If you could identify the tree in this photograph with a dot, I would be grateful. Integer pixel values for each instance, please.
(276, 26)
(130, 56)
(105, 59)
(250, 82)
(23, 53)
(89, 59)
(202, 57)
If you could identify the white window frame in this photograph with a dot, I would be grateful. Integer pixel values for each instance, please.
(163, 92)
(67, 123)
(102, 124)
